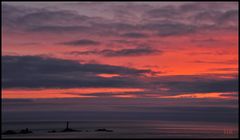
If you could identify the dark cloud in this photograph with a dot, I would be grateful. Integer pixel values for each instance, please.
(45, 20)
(207, 6)
(170, 29)
(97, 28)
(131, 52)
(217, 18)
(45, 17)
(59, 29)
(163, 12)
(201, 16)
(189, 7)
(229, 17)
(125, 42)
(206, 17)
(205, 87)
(116, 26)
(134, 35)
(108, 94)
(166, 20)
(22, 19)
(10, 16)
(82, 42)
(186, 11)
(175, 29)
(93, 52)
(40, 72)
(196, 84)
(43, 72)
(120, 53)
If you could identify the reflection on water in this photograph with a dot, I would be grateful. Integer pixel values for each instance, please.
(125, 129)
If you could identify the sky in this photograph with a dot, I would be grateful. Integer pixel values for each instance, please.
(173, 61)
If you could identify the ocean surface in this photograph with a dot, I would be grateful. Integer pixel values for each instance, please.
(123, 129)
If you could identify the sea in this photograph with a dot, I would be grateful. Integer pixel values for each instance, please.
(122, 129)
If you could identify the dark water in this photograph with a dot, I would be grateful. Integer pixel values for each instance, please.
(123, 129)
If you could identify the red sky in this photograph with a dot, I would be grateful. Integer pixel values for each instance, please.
(178, 46)
(140, 51)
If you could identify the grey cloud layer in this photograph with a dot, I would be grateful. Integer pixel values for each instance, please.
(120, 53)
(135, 35)
(155, 20)
(82, 42)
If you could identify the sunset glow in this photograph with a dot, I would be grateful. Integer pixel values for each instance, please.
(157, 61)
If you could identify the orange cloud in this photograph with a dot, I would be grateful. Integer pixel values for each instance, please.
(62, 93)
(201, 95)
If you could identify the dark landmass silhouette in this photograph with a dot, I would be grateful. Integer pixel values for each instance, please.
(12, 132)
(9, 132)
(67, 129)
(25, 131)
(52, 131)
(103, 130)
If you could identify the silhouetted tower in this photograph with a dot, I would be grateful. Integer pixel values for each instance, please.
(67, 125)
(67, 129)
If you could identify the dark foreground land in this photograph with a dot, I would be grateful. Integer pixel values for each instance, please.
(120, 129)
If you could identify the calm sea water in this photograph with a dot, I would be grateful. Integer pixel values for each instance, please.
(123, 129)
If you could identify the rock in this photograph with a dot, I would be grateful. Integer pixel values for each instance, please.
(68, 130)
(25, 131)
(52, 131)
(103, 130)
(9, 132)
